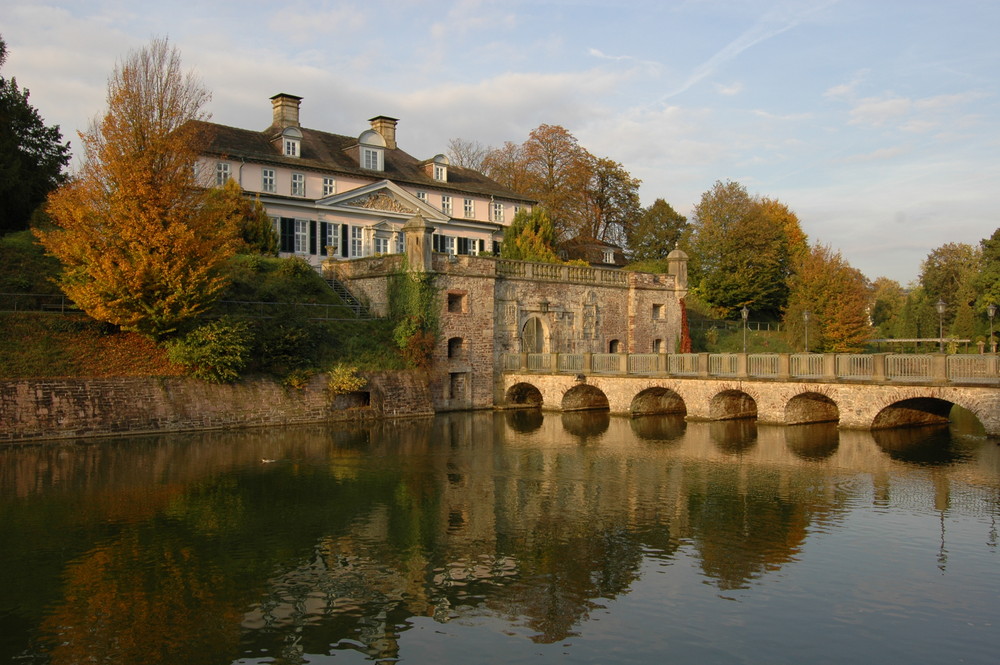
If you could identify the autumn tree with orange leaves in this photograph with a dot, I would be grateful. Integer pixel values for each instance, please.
(141, 244)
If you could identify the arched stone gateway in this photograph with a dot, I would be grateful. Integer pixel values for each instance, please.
(657, 400)
(584, 397)
(915, 412)
(732, 405)
(811, 408)
(524, 394)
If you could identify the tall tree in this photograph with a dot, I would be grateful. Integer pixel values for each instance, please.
(836, 296)
(248, 215)
(612, 202)
(32, 155)
(987, 281)
(948, 274)
(887, 301)
(656, 233)
(140, 244)
(741, 251)
(530, 237)
(467, 154)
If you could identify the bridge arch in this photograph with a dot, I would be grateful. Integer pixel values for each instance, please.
(913, 412)
(811, 407)
(732, 405)
(584, 397)
(657, 400)
(524, 394)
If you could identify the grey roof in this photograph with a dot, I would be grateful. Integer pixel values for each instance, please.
(334, 153)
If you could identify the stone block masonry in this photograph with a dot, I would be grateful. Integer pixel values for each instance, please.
(38, 409)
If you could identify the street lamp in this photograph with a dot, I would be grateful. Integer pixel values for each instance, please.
(805, 318)
(745, 313)
(991, 311)
(940, 310)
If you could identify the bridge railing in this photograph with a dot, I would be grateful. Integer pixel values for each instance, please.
(875, 368)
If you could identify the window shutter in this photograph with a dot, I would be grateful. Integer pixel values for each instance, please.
(482, 245)
(287, 234)
(345, 241)
(323, 233)
(312, 237)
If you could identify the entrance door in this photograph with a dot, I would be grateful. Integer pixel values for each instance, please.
(533, 336)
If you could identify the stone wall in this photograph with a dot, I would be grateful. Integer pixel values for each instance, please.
(34, 409)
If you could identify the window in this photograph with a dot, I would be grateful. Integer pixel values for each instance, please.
(422, 196)
(457, 303)
(329, 239)
(298, 184)
(657, 311)
(613, 346)
(470, 209)
(657, 346)
(371, 159)
(356, 241)
(446, 204)
(381, 245)
(267, 181)
(301, 236)
(440, 172)
(400, 240)
(221, 173)
(496, 212)
(329, 186)
(517, 209)
(609, 256)
(456, 348)
(291, 147)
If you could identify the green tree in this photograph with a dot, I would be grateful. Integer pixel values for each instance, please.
(530, 237)
(32, 155)
(836, 296)
(657, 232)
(248, 215)
(887, 301)
(987, 281)
(948, 274)
(140, 243)
(741, 253)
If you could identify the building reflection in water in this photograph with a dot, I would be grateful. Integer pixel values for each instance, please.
(352, 533)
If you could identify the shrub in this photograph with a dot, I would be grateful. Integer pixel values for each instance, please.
(216, 351)
(344, 379)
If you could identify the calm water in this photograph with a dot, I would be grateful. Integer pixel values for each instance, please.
(504, 538)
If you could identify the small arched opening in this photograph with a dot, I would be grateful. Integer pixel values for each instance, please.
(614, 346)
(657, 400)
(915, 412)
(732, 405)
(811, 408)
(584, 397)
(524, 395)
(456, 348)
(533, 336)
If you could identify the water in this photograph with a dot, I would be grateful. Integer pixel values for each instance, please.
(504, 538)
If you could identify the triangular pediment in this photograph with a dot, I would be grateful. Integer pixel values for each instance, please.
(383, 197)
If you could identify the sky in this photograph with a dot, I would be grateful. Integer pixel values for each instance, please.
(876, 121)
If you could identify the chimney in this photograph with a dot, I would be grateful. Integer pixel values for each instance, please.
(386, 126)
(286, 110)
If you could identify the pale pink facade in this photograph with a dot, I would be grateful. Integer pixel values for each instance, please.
(344, 197)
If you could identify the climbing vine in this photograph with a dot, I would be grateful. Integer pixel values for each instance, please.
(413, 307)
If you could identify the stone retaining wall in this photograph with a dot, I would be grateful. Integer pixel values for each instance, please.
(36, 409)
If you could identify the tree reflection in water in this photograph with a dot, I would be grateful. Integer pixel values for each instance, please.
(189, 549)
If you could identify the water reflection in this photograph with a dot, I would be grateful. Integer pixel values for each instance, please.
(216, 547)
(932, 445)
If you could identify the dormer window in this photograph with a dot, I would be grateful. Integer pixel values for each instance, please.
(437, 168)
(372, 151)
(440, 173)
(291, 142)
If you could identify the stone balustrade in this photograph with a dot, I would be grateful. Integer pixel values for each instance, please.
(840, 367)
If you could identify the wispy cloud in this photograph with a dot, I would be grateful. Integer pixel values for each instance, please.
(777, 21)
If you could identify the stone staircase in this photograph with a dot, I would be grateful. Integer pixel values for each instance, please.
(345, 295)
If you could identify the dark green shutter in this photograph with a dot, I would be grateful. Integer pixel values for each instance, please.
(312, 237)
(287, 234)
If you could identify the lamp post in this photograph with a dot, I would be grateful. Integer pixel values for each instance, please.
(940, 310)
(991, 311)
(745, 313)
(805, 319)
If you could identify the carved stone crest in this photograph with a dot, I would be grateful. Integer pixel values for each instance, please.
(380, 201)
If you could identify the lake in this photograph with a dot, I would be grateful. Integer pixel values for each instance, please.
(512, 537)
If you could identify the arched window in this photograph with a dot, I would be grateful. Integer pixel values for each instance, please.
(613, 346)
(657, 346)
(456, 348)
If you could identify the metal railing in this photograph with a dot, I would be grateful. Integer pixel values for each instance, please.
(874, 368)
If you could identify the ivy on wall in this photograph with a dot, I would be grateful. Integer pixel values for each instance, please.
(413, 306)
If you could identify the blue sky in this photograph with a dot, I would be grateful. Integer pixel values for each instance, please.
(876, 121)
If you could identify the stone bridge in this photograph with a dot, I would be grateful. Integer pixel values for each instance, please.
(871, 391)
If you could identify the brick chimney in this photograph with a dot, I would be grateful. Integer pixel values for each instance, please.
(286, 110)
(385, 126)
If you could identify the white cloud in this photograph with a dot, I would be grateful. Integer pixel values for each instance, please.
(878, 111)
(729, 90)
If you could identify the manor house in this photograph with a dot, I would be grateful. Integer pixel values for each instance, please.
(346, 197)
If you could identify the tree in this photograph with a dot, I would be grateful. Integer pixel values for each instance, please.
(887, 301)
(530, 237)
(612, 202)
(467, 154)
(741, 254)
(249, 216)
(948, 274)
(656, 233)
(32, 155)
(141, 245)
(836, 296)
